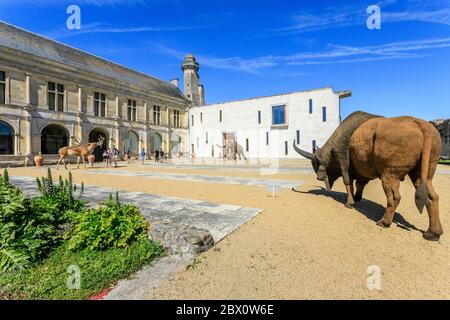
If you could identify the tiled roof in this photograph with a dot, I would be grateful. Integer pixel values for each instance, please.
(18, 39)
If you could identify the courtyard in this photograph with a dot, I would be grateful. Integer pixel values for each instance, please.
(300, 244)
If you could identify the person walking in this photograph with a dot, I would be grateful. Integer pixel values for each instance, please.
(107, 155)
(156, 155)
(142, 155)
(115, 155)
(161, 154)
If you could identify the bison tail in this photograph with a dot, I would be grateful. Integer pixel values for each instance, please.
(421, 196)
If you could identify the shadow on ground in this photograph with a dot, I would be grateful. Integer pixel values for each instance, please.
(368, 208)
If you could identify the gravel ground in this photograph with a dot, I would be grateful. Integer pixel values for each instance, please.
(305, 244)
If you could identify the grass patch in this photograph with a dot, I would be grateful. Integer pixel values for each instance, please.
(444, 161)
(99, 270)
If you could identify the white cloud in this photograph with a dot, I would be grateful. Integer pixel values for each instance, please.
(100, 28)
(335, 54)
(99, 3)
(432, 12)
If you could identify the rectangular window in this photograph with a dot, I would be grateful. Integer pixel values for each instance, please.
(247, 146)
(201, 117)
(298, 137)
(314, 146)
(324, 114)
(207, 138)
(156, 115)
(220, 116)
(267, 138)
(176, 118)
(310, 106)
(279, 115)
(259, 117)
(192, 120)
(55, 96)
(286, 150)
(2, 87)
(132, 110)
(99, 104)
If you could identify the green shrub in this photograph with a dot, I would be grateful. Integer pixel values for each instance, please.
(99, 270)
(112, 225)
(61, 195)
(31, 228)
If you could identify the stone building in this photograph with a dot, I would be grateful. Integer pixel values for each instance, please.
(52, 95)
(443, 126)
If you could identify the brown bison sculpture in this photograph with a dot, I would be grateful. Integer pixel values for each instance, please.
(365, 147)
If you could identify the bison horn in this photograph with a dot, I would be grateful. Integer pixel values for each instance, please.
(306, 154)
(327, 184)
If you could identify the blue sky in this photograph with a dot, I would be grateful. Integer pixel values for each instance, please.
(250, 48)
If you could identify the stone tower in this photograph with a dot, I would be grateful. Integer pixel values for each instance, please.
(192, 88)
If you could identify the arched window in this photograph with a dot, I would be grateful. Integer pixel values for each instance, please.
(53, 138)
(175, 144)
(99, 135)
(155, 142)
(6, 138)
(131, 142)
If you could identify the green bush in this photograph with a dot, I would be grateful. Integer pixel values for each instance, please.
(31, 228)
(61, 195)
(99, 270)
(112, 225)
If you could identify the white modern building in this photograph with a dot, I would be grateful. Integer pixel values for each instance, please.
(265, 127)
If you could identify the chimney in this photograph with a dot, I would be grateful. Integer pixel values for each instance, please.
(175, 82)
(201, 94)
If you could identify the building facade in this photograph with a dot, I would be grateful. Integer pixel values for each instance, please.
(52, 95)
(443, 126)
(265, 127)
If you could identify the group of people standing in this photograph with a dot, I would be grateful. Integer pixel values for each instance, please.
(110, 156)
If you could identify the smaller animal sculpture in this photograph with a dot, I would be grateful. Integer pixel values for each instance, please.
(82, 151)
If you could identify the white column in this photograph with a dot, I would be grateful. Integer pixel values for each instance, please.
(80, 100)
(145, 112)
(168, 116)
(117, 107)
(16, 144)
(27, 89)
(29, 135)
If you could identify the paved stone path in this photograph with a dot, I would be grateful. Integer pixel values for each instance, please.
(288, 184)
(219, 219)
(231, 167)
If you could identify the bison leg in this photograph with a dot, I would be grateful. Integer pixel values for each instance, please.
(435, 229)
(64, 162)
(360, 185)
(57, 165)
(78, 162)
(391, 187)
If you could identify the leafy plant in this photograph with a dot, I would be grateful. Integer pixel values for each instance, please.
(31, 227)
(62, 194)
(100, 270)
(112, 225)
(12, 259)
